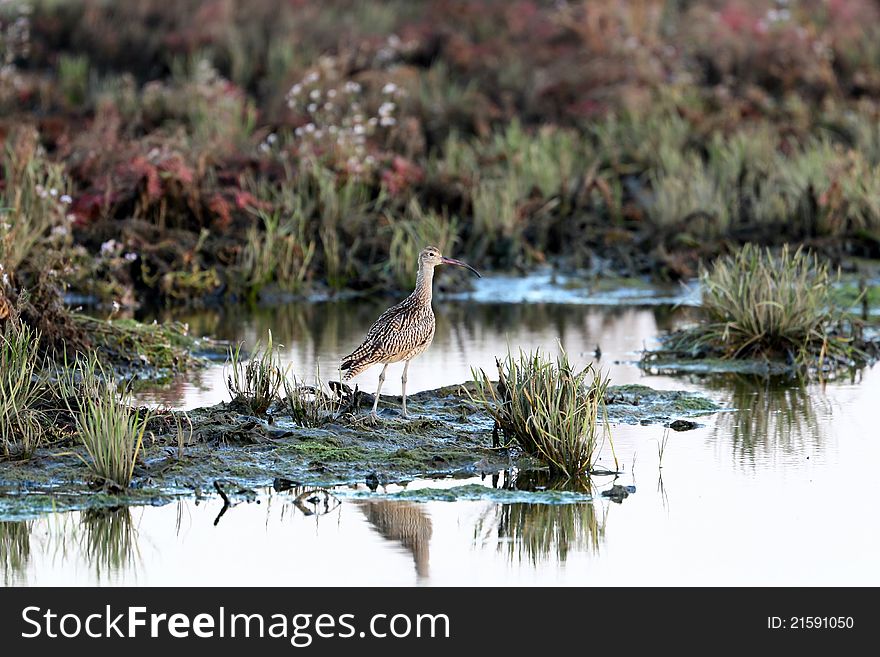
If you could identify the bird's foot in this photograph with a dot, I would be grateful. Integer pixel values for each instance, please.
(372, 419)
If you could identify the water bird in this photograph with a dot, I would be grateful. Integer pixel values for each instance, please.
(403, 331)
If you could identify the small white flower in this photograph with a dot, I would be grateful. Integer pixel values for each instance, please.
(310, 127)
(315, 94)
(296, 90)
(271, 138)
(311, 77)
(328, 107)
(53, 192)
(109, 247)
(332, 129)
(312, 108)
(131, 257)
(389, 88)
(359, 129)
(298, 132)
(373, 122)
(352, 87)
(265, 147)
(318, 134)
(116, 306)
(385, 109)
(387, 121)
(331, 93)
(65, 198)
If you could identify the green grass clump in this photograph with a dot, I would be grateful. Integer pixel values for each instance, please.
(550, 410)
(21, 390)
(257, 382)
(759, 304)
(111, 431)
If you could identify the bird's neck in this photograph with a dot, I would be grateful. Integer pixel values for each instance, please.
(424, 284)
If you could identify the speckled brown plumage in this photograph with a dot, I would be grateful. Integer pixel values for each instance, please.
(403, 331)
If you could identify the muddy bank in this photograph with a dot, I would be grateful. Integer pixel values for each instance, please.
(446, 435)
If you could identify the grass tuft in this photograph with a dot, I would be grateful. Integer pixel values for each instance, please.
(110, 429)
(759, 304)
(550, 410)
(21, 390)
(311, 406)
(257, 382)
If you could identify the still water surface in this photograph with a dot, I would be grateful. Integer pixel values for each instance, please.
(779, 488)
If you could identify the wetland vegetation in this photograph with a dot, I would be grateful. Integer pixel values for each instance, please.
(161, 160)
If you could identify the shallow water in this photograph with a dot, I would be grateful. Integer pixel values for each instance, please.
(777, 489)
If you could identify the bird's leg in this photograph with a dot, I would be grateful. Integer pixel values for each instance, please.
(375, 415)
(403, 387)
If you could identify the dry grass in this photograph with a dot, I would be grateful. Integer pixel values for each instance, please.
(311, 405)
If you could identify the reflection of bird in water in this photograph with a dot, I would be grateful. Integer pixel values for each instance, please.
(406, 523)
(403, 331)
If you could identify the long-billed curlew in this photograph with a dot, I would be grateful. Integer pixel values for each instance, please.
(403, 331)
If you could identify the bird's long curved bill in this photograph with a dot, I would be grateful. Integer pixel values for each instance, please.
(459, 263)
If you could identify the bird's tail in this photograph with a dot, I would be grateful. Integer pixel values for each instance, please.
(356, 362)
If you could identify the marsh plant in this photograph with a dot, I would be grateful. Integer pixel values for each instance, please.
(549, 409)
(111, 430)
(310, 405)
(256, 382)
(411, 232)
(761, 304)
(33, 202)
(21, 390)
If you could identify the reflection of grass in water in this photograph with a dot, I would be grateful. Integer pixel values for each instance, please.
(109, 540)
(15, 549)
(535, 532)
(768, 416)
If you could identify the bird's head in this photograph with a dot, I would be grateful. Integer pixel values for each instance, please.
(431, 257)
